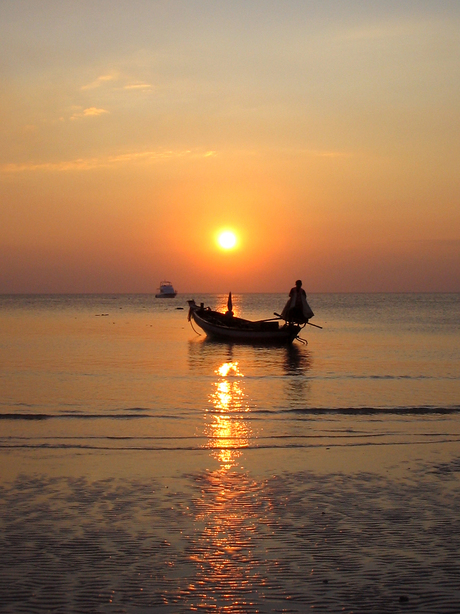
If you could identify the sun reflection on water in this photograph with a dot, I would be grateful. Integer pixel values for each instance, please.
(226, 430)
(230, 508)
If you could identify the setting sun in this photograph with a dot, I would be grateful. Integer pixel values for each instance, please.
(227, 240)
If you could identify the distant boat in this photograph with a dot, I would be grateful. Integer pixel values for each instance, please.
(166, 290)
(225, 327)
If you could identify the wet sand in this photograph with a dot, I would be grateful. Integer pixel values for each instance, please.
(143, 470)
(278, 531)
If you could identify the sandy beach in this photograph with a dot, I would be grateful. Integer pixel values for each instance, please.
(145, 470)
(322, 532)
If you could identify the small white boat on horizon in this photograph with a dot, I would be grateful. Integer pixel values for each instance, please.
(166, 290)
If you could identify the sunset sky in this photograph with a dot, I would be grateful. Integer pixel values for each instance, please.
(324, 133)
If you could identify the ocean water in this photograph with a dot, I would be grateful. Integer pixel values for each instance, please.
(145, 468)
(129, 371)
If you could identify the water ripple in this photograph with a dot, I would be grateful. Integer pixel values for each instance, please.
(227, 542)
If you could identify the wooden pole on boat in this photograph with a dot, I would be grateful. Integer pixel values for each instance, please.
(309, 323)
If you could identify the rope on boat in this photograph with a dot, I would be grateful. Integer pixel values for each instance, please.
(304, 341)
(191, 324)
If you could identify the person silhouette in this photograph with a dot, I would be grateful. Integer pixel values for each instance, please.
(297, 308)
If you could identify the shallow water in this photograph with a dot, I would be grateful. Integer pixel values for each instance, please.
(147, 469)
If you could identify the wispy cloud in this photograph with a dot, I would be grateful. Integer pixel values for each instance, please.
(90, 112)
(85, 164)
(138, 86)
(318, 153)
(392, 29)
(116, 77)
(94, 111)
(100, 81)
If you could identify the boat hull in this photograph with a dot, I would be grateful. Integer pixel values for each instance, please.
(254, 335)
(166, 290)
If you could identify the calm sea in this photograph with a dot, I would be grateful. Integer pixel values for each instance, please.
(120, 371)
(147, 469)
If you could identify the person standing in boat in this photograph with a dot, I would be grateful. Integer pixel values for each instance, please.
(297, 308)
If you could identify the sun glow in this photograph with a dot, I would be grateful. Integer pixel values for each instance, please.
(227, 239)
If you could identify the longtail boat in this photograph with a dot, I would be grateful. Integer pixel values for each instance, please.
(227, 327)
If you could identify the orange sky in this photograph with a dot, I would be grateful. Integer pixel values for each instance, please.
(325, 133)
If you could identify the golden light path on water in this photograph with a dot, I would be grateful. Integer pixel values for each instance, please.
(228, 432)
(228, 509)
